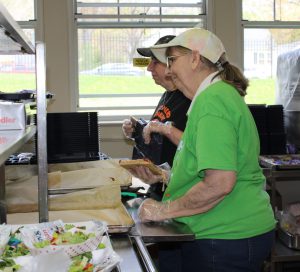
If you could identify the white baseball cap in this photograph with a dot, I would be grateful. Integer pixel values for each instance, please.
(196, 39)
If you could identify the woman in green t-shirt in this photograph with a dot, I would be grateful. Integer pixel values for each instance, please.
(216, 185)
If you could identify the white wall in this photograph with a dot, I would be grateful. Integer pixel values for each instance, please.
(56, 26)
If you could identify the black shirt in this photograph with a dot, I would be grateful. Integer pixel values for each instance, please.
(172, 107)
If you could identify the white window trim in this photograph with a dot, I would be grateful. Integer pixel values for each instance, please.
(91, 25)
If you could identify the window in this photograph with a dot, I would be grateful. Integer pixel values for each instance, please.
(271, 28)
(109, 32)
(17, 72)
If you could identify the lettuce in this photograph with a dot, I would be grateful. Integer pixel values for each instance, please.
(8, 265)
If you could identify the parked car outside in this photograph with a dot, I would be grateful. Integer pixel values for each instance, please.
(125, 69)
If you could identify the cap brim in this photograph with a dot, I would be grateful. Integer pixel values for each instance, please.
(159, 51)
(160, 54)
(146, 52)
(207, 44)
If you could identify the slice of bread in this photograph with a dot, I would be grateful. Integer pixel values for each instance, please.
(129, 164)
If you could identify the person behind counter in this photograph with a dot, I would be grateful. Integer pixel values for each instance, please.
(169, 117)
(216, 185)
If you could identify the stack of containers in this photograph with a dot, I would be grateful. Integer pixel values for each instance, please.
(269, 121)
(276, 130)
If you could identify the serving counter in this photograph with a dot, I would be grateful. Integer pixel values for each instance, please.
(156, 232)
(284, 169)
(129, 241)
(133, 247)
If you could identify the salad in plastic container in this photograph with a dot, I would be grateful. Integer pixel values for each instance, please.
(52, 236)
(13, 251)
(52, 243)
(4, 236)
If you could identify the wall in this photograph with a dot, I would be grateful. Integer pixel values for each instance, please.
(112, 141)
(56, 26)
(226, 24)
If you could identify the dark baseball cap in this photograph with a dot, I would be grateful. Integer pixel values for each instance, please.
(146, 52)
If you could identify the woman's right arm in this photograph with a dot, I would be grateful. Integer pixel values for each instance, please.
(165, 129)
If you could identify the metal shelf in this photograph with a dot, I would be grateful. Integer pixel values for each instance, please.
(12, 140)
(12, 38)
(14, 41)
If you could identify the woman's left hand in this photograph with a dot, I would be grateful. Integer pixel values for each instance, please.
(152, 210)
(154, 126)
(144, 174)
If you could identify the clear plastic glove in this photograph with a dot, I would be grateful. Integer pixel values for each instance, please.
(166, 172)
(156, 126)
(152, 210)
(127, 128)
(135, 202)
(145, 174)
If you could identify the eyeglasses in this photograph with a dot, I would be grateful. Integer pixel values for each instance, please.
(171, 59)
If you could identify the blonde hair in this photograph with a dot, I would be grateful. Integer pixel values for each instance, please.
(227, 71)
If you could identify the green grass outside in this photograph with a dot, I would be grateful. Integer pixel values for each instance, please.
(93, 84)
(260, 91)
(10, 82)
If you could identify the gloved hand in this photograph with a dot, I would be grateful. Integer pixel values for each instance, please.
(145, 174)
(166, 168)
(152, 210)
(127, 128)
(156, 126)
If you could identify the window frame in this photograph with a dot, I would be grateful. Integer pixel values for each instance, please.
(275, 24)
(119, 24)
(258, 97)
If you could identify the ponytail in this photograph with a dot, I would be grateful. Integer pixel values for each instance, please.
(232, 75)
(227, 71)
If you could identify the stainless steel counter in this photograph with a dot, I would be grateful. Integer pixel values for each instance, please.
(132, 247)
(134, 254)
(154, 232)
(123, 246)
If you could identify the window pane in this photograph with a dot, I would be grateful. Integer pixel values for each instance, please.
(25, 13)
(288, 10)
(17, 72)
(271, 10)
(140, 11)
(261, 49)
(131, 102)
(109, 32)
(105, 67)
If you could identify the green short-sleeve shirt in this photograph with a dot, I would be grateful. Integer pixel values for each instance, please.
(221, 134)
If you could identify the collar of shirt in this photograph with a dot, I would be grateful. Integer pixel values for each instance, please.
(205, 83)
